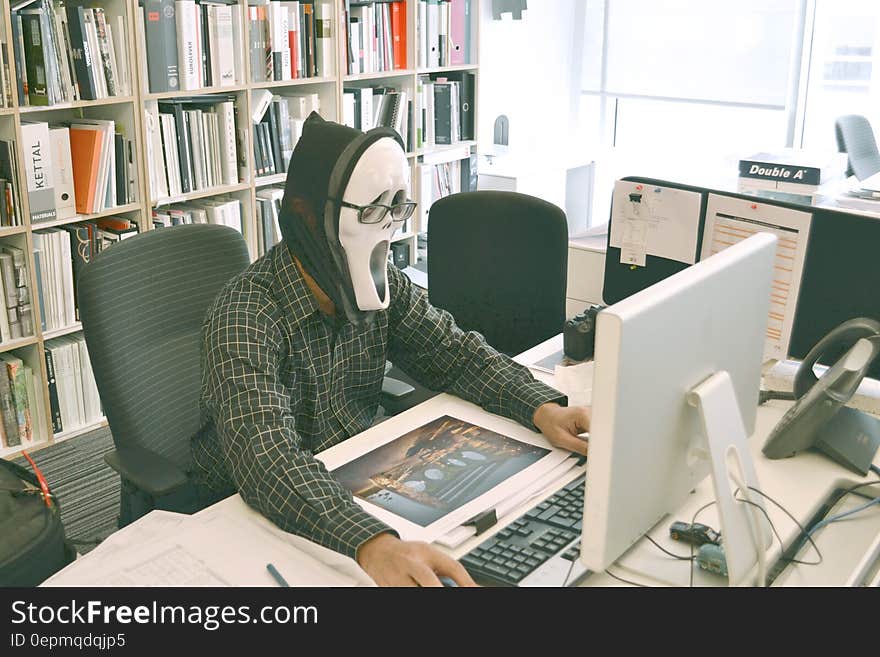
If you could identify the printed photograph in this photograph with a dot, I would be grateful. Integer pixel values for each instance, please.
(435, 469)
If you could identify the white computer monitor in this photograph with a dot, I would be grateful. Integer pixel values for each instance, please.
(678, 366)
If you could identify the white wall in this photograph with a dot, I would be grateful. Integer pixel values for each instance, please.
(525, 69)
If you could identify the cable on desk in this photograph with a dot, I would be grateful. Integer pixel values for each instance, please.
(671, 554)
(804, 533)
(799, 526)
(767, 395)
(841, 516)
(875, 469)
(625, 581)
(568, 574)
(693, 556)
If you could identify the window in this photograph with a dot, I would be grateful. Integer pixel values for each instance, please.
(683, 88)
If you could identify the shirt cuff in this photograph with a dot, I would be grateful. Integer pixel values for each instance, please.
(345, 534)
(526, 398)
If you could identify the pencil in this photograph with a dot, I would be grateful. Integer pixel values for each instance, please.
(276, 575)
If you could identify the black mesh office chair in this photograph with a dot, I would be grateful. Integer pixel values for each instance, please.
(498, 262)
(856, 138)
(142, 303)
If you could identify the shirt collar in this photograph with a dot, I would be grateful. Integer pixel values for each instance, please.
(294, 295)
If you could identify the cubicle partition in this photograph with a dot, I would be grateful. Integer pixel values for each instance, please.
(839, 261)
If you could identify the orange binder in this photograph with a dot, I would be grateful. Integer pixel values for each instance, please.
(85, 153)
(398, 32)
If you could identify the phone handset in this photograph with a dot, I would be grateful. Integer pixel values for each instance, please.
(846, 335)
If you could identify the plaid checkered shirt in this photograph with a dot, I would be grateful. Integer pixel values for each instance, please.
(280, 383)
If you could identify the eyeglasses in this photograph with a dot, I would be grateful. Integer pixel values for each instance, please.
(374, 213)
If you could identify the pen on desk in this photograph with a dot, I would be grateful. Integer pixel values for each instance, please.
(276, 575)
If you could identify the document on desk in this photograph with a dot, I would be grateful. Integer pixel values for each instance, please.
(428, 472)
(654, 220)
(203, 550)
(730, 220)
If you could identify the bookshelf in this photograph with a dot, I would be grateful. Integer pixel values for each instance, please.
(132, 113)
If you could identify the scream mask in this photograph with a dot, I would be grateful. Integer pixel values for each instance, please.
(345, 195)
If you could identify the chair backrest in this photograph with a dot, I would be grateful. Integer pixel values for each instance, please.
(497, 261)
(856, 138)
(142, 303)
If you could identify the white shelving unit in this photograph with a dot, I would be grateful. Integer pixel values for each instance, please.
(129, 112)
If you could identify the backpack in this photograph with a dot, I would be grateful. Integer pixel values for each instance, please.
(32, 541)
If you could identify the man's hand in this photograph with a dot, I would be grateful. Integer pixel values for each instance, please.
(392, 562)
(561, 425)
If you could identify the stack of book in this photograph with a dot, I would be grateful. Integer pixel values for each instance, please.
(73, 394)
(192, 145)
(10, 203)
(192, 44)
(17, 321)
(65, 51)
(443, 33)
(82, 167)
(22, 407)
(278, 124)
(376, 36)
(60, 254)
(442, 179)
(365, 108)
(445, 109)
(268, 211)
(789, 175)
(221, 210)
(290, 40)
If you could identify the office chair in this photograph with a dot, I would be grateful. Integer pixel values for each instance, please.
(498, 262)
(856, 138)
(142, 303)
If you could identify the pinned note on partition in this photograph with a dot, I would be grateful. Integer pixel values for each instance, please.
(654, 220)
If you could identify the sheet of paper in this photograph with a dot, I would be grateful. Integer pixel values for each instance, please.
(455, 483)
(214, 549)
(652, 220)
(460, 534)
(731, 220)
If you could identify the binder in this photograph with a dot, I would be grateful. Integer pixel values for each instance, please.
(65, 195)
(458, 53)
(160, 34)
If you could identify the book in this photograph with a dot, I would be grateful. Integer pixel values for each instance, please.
(18, 387)
(80, 255)
(34, 56)
(86, 147)
(8, 411)
(38, 168)
(54, 404)
(36, 404)
(65, 193)
(81, 53)
(325, 61)
(160, 35)
(398, 34)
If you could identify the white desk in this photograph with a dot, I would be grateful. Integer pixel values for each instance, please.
(801, 484)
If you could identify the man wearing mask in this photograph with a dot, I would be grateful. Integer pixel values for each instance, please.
(294, 353)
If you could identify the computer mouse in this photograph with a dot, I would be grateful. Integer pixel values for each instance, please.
(448, 581)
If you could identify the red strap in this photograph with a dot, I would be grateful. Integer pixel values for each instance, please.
(41, 479)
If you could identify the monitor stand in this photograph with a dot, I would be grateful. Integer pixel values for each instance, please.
(745, 529)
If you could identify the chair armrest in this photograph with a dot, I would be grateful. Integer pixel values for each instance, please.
(151, 472)
(396, 388)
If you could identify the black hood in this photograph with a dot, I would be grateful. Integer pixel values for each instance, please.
(320, 168)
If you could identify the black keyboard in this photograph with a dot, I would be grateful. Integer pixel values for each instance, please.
(540, 548)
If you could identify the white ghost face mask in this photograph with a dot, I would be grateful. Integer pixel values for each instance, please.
(366, 204)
